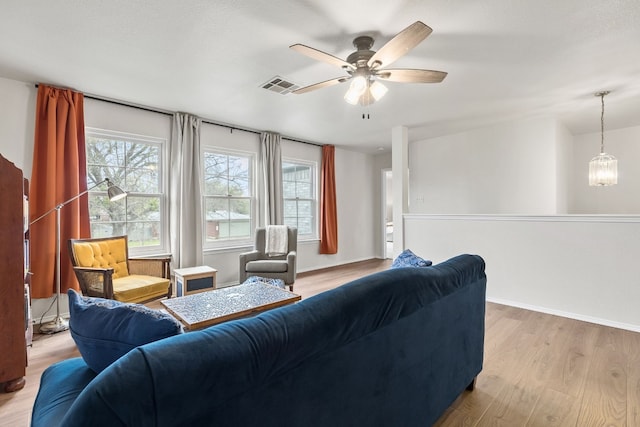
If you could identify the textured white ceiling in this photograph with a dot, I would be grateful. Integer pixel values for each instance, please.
(506, 59)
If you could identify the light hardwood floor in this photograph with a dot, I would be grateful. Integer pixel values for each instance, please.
(539, 370)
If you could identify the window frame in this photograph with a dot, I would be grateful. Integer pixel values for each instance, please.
(314, 200)
(230, 243)
(164, 247)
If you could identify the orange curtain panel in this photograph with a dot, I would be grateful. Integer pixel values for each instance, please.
(58, 174)
(328, 211)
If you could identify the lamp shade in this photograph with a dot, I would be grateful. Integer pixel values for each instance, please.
(114, 192)
(603, 170)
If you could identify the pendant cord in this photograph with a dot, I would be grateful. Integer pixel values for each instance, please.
(602, 125)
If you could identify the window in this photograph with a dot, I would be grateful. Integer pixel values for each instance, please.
(298, 182)
(135, 164)
(228, 197)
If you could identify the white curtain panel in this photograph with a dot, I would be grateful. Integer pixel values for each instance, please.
(184, 192)
(272, 178)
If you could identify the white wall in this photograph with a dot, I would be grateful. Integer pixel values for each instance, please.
(17, 124)
(622, 198)
(583, 267)
(381, 161)
(114, 117)
(564, 168)
(504, 169)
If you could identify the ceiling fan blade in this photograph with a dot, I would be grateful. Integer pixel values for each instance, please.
(406, 75)
(400, 44)
(320, 85)
(319, 55)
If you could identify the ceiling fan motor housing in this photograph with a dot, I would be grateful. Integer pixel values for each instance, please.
(360, 57)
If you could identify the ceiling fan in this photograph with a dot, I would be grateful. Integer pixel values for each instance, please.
(366, 68)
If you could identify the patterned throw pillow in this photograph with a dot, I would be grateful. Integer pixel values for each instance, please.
(409, 259)
(105, 330)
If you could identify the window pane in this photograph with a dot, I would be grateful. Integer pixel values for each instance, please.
(239, 166)
(305, 225)
(216, 218)
(105, 152)
(239, 186)
(304, 190)
(142, 181)
(108, 229)
(216, 177)
(288, 169)
(145, 233)
(240, 218)
(299, 194)
(305, 208)
(228, 216)
(303, 173)
(216, 185)
(103, 210)
(135, 165)
(291, 221)
(215, 164)
(290, 208)
(289, 189)
(97, 173)
(143, 208)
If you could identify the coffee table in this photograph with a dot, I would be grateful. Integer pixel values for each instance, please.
(209, 308)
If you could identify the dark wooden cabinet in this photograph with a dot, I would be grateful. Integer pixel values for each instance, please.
(14, 321)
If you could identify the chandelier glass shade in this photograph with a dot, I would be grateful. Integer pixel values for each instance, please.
(603, 168)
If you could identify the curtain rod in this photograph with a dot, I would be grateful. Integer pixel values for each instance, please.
(169, 113)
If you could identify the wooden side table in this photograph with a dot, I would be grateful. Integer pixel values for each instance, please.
(193, 280)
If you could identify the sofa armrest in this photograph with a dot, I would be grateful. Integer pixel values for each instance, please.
(156, 266)
(95, 281)
(244, 258)
(292, 269)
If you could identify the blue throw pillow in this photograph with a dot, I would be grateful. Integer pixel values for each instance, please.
(105, 330)
(409, 259)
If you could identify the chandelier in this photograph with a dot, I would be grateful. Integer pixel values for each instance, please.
(603, 168)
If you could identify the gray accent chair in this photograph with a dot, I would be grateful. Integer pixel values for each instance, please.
(258, 263)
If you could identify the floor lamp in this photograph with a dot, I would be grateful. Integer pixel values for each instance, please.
(115, 193)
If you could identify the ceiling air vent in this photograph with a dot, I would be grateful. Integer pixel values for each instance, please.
(280, 85)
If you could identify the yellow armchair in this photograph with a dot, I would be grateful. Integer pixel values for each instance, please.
(104, 270)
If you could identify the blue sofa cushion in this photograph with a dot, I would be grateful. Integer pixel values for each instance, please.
(409, 259)
(60, 385)
(105, 330)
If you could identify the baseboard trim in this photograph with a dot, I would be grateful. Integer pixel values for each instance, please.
(341, 264)
(569, 315)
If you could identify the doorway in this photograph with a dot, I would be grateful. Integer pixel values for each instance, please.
(387, 213)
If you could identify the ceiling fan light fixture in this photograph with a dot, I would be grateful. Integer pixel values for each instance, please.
(358, 86)
(352, 97)
(378, 90)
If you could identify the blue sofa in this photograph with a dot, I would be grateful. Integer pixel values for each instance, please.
(395, 348)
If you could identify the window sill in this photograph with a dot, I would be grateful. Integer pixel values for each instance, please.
(228, 249)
